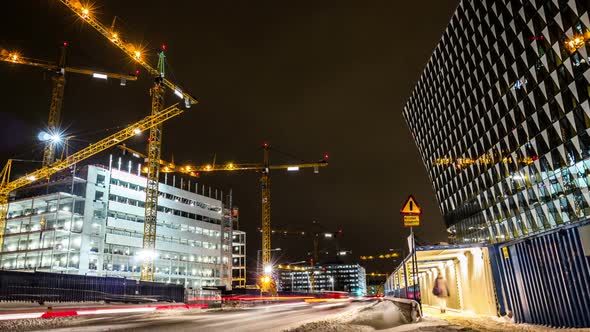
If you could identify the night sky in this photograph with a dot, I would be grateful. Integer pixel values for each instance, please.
(309, 77)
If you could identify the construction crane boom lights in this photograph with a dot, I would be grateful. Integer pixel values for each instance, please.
(85, 12)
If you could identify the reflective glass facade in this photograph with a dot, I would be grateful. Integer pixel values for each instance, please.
(501, 117)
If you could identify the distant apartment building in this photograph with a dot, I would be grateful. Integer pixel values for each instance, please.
(238, 259)
(349, 278)
(92, 223)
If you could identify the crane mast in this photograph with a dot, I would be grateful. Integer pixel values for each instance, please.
(266, 231)
(153, 179)
(58, 82)
(7, 186)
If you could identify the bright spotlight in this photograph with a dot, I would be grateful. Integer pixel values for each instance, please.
(99, 75)
(50, 137)
(137, 131)
(268, 269)
(43, 136)
(55, 138)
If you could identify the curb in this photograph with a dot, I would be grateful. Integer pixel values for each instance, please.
(98, 311)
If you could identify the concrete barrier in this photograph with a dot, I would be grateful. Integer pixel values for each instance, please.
(410, 308)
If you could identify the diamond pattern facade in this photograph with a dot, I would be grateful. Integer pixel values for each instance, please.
(501, 118)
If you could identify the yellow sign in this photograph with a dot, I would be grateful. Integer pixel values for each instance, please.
(505, 252)
(411, 207)
(411, 221)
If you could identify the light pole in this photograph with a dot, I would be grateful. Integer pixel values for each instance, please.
(331, 279)
(265, 277)
(260, 268)
(292, 276)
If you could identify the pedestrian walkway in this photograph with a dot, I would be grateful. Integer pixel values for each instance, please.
(466, 321)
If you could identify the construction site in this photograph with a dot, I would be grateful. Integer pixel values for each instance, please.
(90, 205)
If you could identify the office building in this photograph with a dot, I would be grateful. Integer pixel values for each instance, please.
(349, 278)
(92, 223)
(238, 259)
(501, 116)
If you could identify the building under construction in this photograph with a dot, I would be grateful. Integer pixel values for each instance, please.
(89, 220)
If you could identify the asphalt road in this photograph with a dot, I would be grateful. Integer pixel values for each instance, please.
(265, 318)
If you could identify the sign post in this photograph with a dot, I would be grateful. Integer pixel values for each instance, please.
(411, 212)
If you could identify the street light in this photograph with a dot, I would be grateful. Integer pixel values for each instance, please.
(331, 279)
(258, 258)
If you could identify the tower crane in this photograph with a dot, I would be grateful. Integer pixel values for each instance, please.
(7, 186)
(58, 81)
(135, 53)
(316, 236)
(264, 169)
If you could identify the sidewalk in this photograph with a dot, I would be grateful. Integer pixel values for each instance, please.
(470, 321)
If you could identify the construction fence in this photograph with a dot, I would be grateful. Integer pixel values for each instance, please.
(55, 287)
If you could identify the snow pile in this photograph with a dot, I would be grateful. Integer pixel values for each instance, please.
(378, 316)
(330, 326)
(34, 324)
(382, 315)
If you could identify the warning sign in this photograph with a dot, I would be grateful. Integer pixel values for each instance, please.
(411, 207)
(411, 221)
(505, 252)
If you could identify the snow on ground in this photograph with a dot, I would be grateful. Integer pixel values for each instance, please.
(486, 323)
(34, 324)
(378, 316)
(386, 317)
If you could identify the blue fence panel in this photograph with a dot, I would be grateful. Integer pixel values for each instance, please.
(46, 287)
(544, 279)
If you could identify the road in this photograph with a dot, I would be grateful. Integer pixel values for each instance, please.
(264, 318)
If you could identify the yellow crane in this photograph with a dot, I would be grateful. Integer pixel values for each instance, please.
(7, 186)
(135, 52)
(264, 168)
(316, 236)
(58, 81)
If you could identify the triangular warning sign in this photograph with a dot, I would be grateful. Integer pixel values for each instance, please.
(411, 207)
